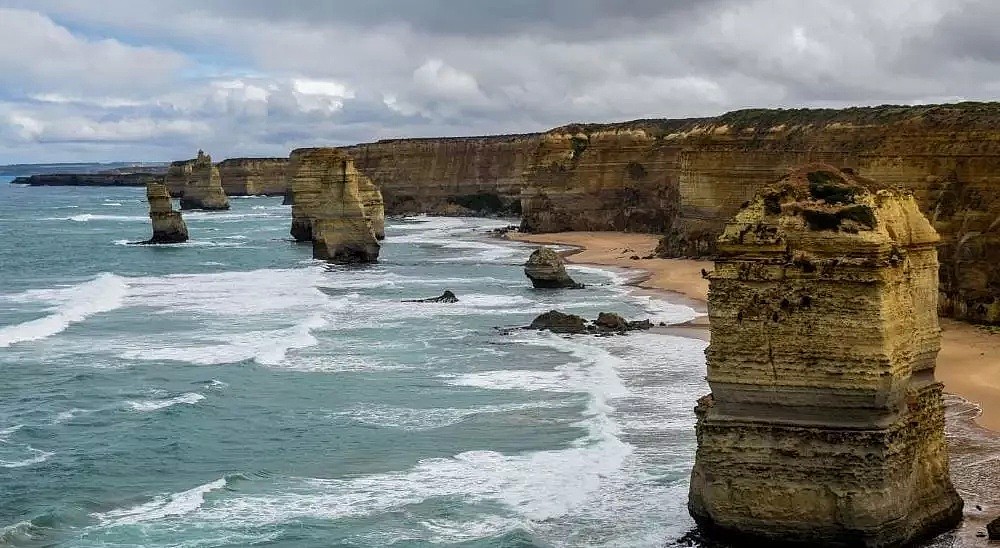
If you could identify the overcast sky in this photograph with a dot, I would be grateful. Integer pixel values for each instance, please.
(158, 79)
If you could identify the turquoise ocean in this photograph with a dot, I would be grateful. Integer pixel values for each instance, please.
(231, 391)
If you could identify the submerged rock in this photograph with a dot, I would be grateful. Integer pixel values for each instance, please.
(547, 270)
(168, 225)
(825, 425)
(204, 186)
(446, 297)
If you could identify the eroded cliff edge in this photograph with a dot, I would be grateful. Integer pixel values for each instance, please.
(685, 177)
(450, 175)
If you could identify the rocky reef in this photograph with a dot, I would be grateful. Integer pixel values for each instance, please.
(686, 177)
(825, 425)
(607, 323)
(204, 186)
(168, 225)
(453, 175)
(253, 176)
(334, 206)
(547, 270)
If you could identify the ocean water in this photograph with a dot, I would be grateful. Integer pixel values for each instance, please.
(231, 391)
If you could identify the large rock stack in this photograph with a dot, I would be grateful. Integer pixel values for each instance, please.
(335, 207)
(204, 186)
(825, 425)
(168, 225)
(254, 176)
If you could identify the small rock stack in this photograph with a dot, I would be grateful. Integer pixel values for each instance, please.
(825, 425)
(547, 270)
(168, 225)
(204, 186)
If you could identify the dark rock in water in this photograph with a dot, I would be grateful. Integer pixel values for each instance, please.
(168, 225)
(446, 297)
(993, 528)
(611, 321)
(607, 323)
(289, 198)
(547, 270)
(557, 322)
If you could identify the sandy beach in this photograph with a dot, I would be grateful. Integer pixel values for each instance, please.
(968, 365)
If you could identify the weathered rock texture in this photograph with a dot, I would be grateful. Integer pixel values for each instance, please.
(168, 225)
(685, 178)
(825, 425)
(204, 186)
(177, 176)
(458, 175)
(335, 206)
(547, 270)
(253, 176)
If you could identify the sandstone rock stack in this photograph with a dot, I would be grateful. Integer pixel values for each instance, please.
(334, 206)
(177, 176)
(547, 270)
(825, 425)
(204, 186)
(168, 225)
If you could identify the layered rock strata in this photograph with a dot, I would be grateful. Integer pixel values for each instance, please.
(168, 225)
(825, 425)
(178, 174)
(334, 206)
(253, 176)
(547, 270)
(686, 177)
(312, 172)
(454, 175)
(204, 186)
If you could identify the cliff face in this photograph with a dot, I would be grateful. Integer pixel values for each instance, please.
(204, 186)
(825, 424)
(168, 225)
(335, 206)
(88, 179)
(448, 175)
(253, 176)
(177, 176)
(684, 178)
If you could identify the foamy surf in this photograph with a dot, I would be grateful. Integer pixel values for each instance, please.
(37, 457)
(146, 406)
(162, 507)
(69, 305)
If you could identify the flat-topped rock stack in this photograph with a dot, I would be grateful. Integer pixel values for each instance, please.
(334, 206)
(204, 186)
(254, 176)
(825, 425)
(168, 225)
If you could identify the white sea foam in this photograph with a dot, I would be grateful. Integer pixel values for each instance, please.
(70, 414)
(112, 204)
(68, 306)
(162, 507)
(6, 433)
(145, 406)
(87, 217)
(405, 418)
(38, 457)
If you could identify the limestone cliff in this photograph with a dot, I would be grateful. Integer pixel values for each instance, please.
(204, 186)
(334, 206)
(177, 176)
(253, 176)
(459, 175)
(168, 225)
(685, 177)
(825, 425)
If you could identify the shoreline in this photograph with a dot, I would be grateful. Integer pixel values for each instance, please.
(968, 364)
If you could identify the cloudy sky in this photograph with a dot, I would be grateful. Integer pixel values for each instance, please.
(157, 79)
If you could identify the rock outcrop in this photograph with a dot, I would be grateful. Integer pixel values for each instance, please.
(607, 323)
(686, 177)
(334, 206)
(446, 297)
(168, 225)
(178, 174)
(253, 176)
(454, 175)
(825, 425)
(547, 270)
(89, 179)
(204, 186)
